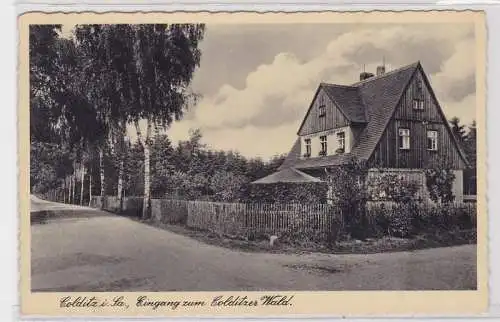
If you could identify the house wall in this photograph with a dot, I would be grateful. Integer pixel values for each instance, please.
(458, 186)
(388, 154)
(333, 118)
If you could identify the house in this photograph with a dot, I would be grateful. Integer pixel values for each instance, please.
(392, 120)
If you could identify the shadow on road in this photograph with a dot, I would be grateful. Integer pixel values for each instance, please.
(45, 216)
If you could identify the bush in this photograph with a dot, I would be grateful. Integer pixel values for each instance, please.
(439, 180)
(296, 193)
(406, 220)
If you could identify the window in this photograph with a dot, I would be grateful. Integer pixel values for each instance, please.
(322, 140)
(404, 139)
(418, 101)
(308, 148)
(340, 142)
(322, 110)
(418, 87)
(418, 104)
(432, 139)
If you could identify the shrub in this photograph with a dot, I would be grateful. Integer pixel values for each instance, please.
(347, 190)
(296, 193)
(406, 220)
(439, 181)
(392, 187)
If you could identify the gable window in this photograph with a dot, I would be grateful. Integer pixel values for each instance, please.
(307, 142)
(418, 87)
(418, 97)
(322, 110)
(322, 140)
(340, 142)
(404, 139)
(432, 139)
(418, 104)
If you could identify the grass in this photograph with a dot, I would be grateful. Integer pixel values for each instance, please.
(368, 246)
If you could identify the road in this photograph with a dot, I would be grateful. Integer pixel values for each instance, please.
(84, 249)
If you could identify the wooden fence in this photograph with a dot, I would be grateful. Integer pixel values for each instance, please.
(317, 222)
(169, 211)
(244, 219)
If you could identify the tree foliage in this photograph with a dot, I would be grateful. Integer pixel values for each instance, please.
(439, 178)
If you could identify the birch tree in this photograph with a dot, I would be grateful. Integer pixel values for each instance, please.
(165, 58)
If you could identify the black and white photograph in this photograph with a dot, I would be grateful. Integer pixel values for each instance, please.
(242, 157)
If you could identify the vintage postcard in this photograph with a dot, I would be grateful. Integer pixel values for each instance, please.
(246, 164)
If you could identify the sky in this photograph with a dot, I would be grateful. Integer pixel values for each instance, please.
(257, 80)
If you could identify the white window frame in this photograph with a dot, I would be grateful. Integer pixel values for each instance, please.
(418, 104)
(341, 140)
(323, 143)
(404, 137)
(307, 143)
(433, 136)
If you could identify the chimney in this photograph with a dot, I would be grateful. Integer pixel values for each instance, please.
(365, 75)
(380, 70)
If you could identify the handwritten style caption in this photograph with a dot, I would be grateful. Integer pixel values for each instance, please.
(153, 304)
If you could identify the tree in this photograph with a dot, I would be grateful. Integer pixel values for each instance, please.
(470, 143)
(347, 188)
(59, 112)
(104, 73)
(458, 130)
(161, 165)
(42, 52)
(164, 59)
(227, 186)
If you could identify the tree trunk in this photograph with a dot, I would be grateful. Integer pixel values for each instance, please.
(90, 188)
(74, 187)
(146, 206)
(147, 196)
(120, 183)
(82, 168)
(70, 189)
(101, 171)
(64, 191)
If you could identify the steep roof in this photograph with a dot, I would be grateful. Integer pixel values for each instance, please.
(292, 156)
(348, 100)
(380, 95)
(288, 175)
(311, 163)
(372, 101)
